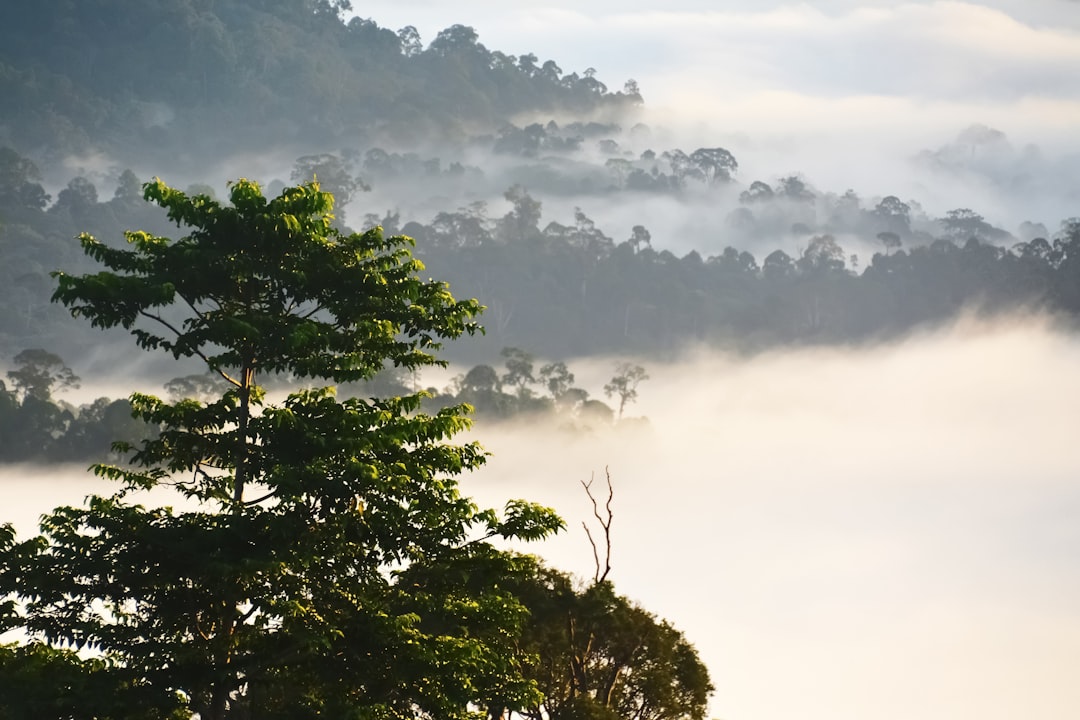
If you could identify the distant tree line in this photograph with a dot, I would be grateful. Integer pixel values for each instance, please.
(573, 290)
(36, 427)
(523, 388)
(39, 427)
(568, 288)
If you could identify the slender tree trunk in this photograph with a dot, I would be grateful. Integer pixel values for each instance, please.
(247, 380)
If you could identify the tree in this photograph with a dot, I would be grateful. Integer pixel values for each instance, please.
(519, 370)
(329, 171)
(757, 192)
(822, 255)
(411, 44)
(275, 589)
(521, 223)
(624, 384)
(598, 656)
(777, 265)
(79, 196)
(19, 186)
(893, 215)
(964, 223)
(600, 650)
(38, 372)
(794, 188)
(558, 379)
(128, 187)
(640, 238)
(890, 240)
(717, 164)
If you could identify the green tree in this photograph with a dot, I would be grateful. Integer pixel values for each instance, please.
(57, 683)
(274, 590)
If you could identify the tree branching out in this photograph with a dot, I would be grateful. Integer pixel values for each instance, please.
(276, 590)
(605, 525)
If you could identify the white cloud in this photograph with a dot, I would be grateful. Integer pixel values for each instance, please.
(883, 533)
(857, 78)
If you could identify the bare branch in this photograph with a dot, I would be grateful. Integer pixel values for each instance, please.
(596, 556)
(605, 524)
(264, 498)
(202, 356)
(311, 313)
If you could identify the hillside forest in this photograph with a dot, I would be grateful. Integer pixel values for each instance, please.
(330, 247)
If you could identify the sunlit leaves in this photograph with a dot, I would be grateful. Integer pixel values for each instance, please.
(275, 591)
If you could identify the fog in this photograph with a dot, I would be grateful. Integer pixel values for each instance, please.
(887, 532)
(876, 97)
(880, 533)
(850, 93)
(883, 532)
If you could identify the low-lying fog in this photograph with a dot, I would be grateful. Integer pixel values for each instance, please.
(847, 92)
(881, 533)
(885, 533)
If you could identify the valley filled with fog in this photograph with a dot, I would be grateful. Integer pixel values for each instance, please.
(882, 532)
(836, 247)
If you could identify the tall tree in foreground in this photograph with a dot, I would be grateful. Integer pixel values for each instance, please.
(274, 589)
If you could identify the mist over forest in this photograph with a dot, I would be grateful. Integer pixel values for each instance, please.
(804, 280)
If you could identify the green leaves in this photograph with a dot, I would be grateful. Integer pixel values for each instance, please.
(528, 521)
(271, 283)
(291, 580)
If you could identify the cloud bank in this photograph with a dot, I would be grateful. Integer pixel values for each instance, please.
(885, 533)
(888, 532)
(845, 91)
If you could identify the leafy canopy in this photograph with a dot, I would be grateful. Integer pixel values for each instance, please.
(275, 589)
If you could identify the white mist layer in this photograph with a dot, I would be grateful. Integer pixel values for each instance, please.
(886, 533)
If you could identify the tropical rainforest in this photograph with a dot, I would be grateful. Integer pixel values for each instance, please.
(320, 560)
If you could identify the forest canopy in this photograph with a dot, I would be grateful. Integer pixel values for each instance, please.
(133, 78)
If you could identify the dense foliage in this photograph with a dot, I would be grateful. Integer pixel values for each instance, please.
(572, 289)
(274, 589)
(571, 300)
(138, 77)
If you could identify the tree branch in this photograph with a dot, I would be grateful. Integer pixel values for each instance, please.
(202, 356)
(605, 524)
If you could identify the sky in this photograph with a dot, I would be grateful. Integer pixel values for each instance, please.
(846, 92)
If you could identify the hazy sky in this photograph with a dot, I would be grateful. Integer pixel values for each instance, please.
(844, 91)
